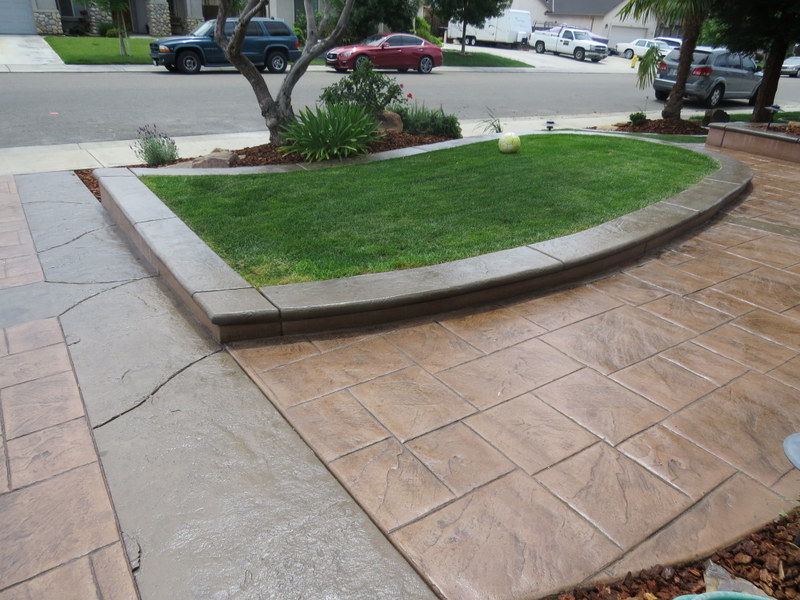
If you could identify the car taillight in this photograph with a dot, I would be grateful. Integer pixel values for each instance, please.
(662, 66)
(702, 71)
(297, 44)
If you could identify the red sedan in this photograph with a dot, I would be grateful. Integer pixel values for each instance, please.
(401, 51)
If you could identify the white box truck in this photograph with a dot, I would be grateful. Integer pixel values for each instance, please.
(511, 28)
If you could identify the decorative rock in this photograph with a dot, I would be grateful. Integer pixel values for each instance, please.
(715, 116)
(718, 579)
(390, 122)
(215, 160)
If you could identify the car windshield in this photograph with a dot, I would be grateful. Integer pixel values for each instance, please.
(582, 35)
(373, 40)
(793, 60)
(206, 29)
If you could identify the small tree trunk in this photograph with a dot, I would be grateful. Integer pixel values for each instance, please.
(691, 31)
(463, 37)
(769, 83)
(122, 33)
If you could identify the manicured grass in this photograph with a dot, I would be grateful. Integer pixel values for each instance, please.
(85, 50)
(424, 209)
(784, 116)
(453, 58)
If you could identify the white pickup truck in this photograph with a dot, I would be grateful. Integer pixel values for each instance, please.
(567, 40)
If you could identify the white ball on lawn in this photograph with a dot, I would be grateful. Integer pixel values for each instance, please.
(508, 142)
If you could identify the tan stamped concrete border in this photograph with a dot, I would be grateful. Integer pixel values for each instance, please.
(232, 309)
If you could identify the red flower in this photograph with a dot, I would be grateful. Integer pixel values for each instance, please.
(402, 86)
(410, 96)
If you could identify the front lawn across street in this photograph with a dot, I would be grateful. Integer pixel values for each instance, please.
(424, 209)
(86, 50)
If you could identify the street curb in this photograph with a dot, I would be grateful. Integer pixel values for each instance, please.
(231, 309)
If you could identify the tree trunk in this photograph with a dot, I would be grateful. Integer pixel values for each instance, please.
(769, 84)
(463, 37)
(691, 31)
(277, 111)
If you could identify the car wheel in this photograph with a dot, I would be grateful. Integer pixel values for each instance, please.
(579, 54)
(539, 47)
(661, 95)
(188, 62)
(628, 54)
(276, 62)
(360, 60)
(715, 97)
(425, 64)
(794, 74)
(471, 41)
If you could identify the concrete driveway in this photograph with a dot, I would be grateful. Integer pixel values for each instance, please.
(27, 50)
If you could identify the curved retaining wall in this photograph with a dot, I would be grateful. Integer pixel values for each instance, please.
(232, 309)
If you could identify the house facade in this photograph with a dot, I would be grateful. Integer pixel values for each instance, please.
(154, 17)
(598, 16)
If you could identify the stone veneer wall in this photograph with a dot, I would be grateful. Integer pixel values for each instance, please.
(194, 23)
(48, 22)
(158, 19)
(97, 16)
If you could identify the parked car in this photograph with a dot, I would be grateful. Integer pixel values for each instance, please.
(401, 51)
(640, 46)
(791, 66)
(671, 41)
(268, 43)
(716, 74)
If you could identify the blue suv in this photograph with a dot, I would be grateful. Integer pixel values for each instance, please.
(268, 43)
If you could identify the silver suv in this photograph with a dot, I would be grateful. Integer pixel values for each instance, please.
(716, 74)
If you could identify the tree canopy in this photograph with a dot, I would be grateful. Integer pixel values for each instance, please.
(367, 15)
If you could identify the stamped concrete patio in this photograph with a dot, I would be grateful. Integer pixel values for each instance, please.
(551, 441)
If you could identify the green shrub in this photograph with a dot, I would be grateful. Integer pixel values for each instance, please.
(419, 120)
(332, 131)
(364, 86)
(638, 118)
(423, 29)
(112, 33)
(102, 28)
(154, 148)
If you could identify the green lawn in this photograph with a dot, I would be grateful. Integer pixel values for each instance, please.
(453, 58)
(85, 50)
(424, 209)
(784, 116)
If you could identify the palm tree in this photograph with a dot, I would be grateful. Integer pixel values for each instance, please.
(690, 14)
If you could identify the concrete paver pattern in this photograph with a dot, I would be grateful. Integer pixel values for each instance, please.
(514, 450)
(59, 534)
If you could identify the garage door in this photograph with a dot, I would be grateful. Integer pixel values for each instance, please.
(16, 16)
(625, 34)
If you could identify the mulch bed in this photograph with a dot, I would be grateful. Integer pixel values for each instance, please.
(664, 127)
(767, 558)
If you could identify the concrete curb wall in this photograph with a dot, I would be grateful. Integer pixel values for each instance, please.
(233, 310)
